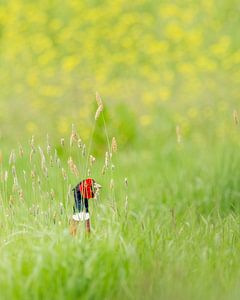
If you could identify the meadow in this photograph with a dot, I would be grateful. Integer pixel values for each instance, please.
(166, 222)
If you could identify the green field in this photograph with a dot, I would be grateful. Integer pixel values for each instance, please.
(166, 223)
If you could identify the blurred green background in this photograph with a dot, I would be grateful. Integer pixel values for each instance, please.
(156, 64)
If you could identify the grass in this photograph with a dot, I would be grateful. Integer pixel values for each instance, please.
(176, 236)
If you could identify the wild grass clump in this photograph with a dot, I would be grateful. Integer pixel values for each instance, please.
(164, 226)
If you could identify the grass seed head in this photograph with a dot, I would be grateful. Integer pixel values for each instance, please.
(64, 174)
(92, 160)
(52, 193)
(114, 145)
(74, 136)
(33, 174)
(98, 112)
(79, 143)
(106, 160)
(99, 100)
(21, 195)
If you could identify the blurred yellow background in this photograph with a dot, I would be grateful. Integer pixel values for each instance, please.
(153, 62)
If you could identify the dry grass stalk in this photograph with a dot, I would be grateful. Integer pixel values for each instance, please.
(12, 157)
(178, 133)
(235, 117)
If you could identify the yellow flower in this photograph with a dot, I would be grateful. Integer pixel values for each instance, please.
(168, 10)
(174, 32)
(69, 63)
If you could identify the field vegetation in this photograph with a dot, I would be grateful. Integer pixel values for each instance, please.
(162, 139)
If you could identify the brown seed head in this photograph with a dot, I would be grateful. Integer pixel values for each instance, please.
(99, 100)
(114, 145)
